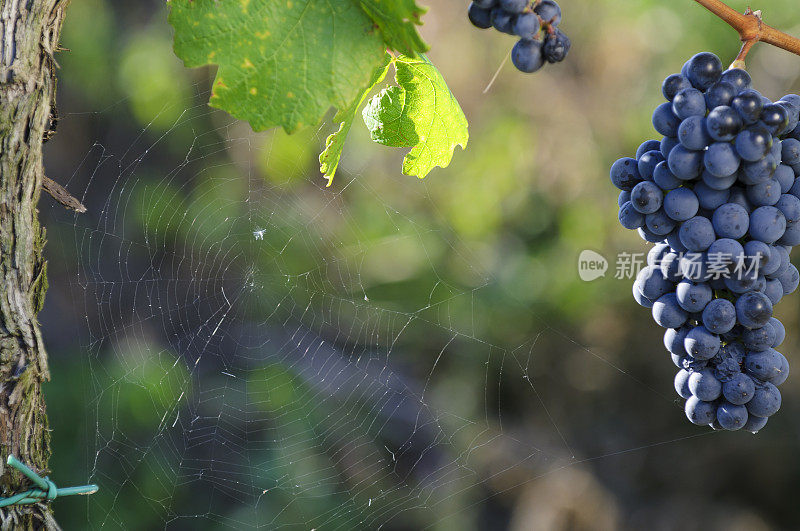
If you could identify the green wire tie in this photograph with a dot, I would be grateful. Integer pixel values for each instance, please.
(46, 490)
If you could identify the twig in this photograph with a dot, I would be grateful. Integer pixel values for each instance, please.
(751, 29)
(60, 194)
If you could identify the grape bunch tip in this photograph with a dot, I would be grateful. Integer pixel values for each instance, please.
(719, 196)
(535, 22)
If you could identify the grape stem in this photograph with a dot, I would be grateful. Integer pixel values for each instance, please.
(751, 29)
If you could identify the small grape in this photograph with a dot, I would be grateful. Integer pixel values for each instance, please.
(721, 159)
(692, 133)
(481, 17)
(699, 412)
(753, 309)
(748, 104)
(730, 221)
(549, 11)
(704, 69)
(719, 94)
(647, 145)
(705, 386)
(731, 416)
(665, 121)
(739, 389)
(737, 77)
(527, 55)
(556, 47)
(527, 25)
(723, 124)
(689, 102)
(673, 84)
(766, 401)
(502, 20)
(513, 6)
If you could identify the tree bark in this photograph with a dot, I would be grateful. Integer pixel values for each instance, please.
(29, 35)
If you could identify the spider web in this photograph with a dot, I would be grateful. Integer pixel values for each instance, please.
(240, 372)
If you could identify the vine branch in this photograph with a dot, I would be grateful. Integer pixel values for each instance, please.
(751, 29)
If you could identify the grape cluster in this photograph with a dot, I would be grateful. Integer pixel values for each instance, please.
(719, 196)
(535, 22)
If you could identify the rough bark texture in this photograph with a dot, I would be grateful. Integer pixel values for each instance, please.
(29, 33)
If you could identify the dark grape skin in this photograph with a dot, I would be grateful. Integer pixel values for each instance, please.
(549, 11)
(485, 4)
(790, 151)
(556, 47)
(646, 197)
(775, 118)
(757, 172)
(705, 386)
(689, 102)
(720, 93)
(664, 178)
(667, 313)
(723, 124)
(710, 198)
(719, 316)
(793, 114)
(749, 105)
(647, 145)
(697, 234)
(502, 20)
(754, 143)
(730, 220)
(681, 383)
(699, 412)
(704, 69)
(686, 164)
(673, 84)
(668, 142)
(731, 416)
(681, 204)
(527, 55)
(767, 224)
(737, 77)
(665, 121)
(765, 193)
(692, 133)
(721, 159)
(766, 401)
(625, 173)
(629, 217)
(527, 25)
(480, 17)
(717, 183)
(513, 6)
(647, 164)
(739, 389)
(753, 309)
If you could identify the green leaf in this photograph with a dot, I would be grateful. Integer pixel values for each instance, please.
(329, 158)
(398, 20)
(420, 113)
(280, 62)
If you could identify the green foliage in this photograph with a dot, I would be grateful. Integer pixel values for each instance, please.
(397, 20)
(420, 113)
(280, 63)
(329, 158)
(286, 63)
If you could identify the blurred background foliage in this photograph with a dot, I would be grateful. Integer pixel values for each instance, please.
(526, 398)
